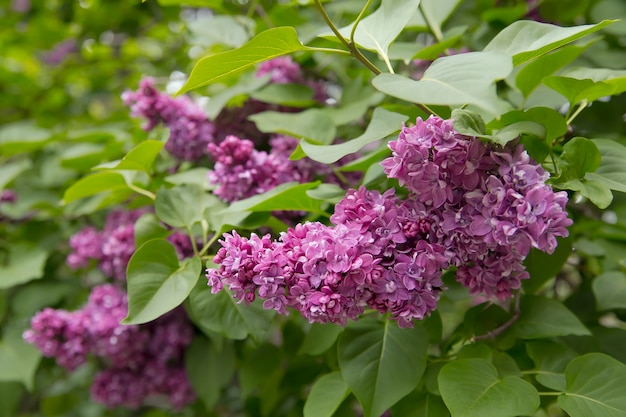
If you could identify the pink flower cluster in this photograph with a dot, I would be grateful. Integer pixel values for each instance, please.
(488, 206)
(374, 256)
(241, 171)
(113, 246)
(139, 362)
(190, 129)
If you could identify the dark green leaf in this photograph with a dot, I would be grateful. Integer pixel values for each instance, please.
(157, 283)
(320, 338)
(293, 95)
(266, 45)
(11, 170)
(418, 404)
(610, 290)
(471, 387)
(595, 387)
(597, 191)
(542, 266)
(327, 394)
(553, 122)
(550, 359)
(148, 227)
(383, 124)
(612, 170)
(380, 362)
(468, 123)
(543, 317)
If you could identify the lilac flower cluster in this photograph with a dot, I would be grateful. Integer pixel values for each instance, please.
(190, 129)
(241, 171)
(284, 70)
(139, 362)
(374, 256)
(488, 206)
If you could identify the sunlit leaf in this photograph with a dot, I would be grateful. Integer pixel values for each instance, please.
(588, 84)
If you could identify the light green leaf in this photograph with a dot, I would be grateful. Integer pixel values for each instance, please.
(327, 394)
(454, 81)
(543, 317)
(472, 388)
(209, 369)
(590, 84)
(380, 362)
(23, 136)
(609, 289)
(293, 95)
(468, 123)
(222, 314)
(531, 75)
(95, 184)
(207, 31)
(24, 262)
(553, 123)
(378, 30)
(197, 176)
(596, 191)
(266, 45)
(612, 170)
(313, 124)
(141, 157)
(18, 359)
(288, 196)
(526, 39)
(157, 283)
(438, 12)
(183, 205)
(579, 156)
(550, 359)
(246, 84)
(595, 387)
(383, 124)
(11, 170)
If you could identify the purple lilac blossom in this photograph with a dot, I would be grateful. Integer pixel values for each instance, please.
(332, 273)
(488, 205)
(139, 361)
(190, 129)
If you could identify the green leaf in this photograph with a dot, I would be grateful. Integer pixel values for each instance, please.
(595, 387)
(320, 338)
(266, 45)
(209, 369)
(383, 124)
(197, 176)
(590, 84)
(293, 95)
(313, 124)
(95, 184)
(183, 205)
(543, 317)
(437, 12)
(526, 39)
(11, 170)
(148, 227)
(380, 362)
(550, 359)
(214, 29)
(471, 387)
(141, 157)
(327, 394)
(597, 191)
(18, 359)
(288, 196)
(378, 30)
(418, 404)
(612, 171)
(553, 123)
(453, 81)
(609, 289)
(542, 266)
(157, 283)
(531, 76)
(222, 314)
(24, 262)
(23, 136)
(468, 123)
(246, 84)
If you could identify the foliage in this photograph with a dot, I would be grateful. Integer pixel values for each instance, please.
(147, 147)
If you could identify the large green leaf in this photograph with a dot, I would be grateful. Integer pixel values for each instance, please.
(18, 359)
(542, 266)
(610, 290)
(596, 384)
(436, 11)
(590, 84)
(526, 39)
(543, 317)
(550, 359)
(553, 123)
(320, 338)
(378, 30)
(157, 282)
(11, 170)
(141, 157)
(288, 196)
(266, 45)
(222, 314)
(183, 205)
(612, 170)
(419, 404)
(383, 123)
(209, 369)
(381, 362)
(313, 124)
(472, 388)
(454, 81)
(24, 262)
(23, 136)
(327, 394)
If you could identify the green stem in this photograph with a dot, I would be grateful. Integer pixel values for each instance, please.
(550, 394)
(350, 45)
(336, 51)
(581, 107)
(208, 244)
(358, 19)
(141, 191)
(194, 245)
